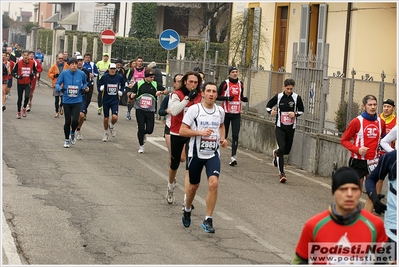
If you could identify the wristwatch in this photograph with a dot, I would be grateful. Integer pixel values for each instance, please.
(186, 97)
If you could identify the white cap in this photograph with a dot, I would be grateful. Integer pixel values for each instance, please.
(79, 57)
(77, 53)
(112, 66)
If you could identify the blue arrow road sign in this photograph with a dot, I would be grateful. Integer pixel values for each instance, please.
(169, 39)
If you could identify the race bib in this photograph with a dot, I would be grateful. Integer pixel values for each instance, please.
(233, 107)
(25, 71)
(372, 164)
(285, 119)
(146, 102)
(72, 91)
(208, 144)
(112, 89)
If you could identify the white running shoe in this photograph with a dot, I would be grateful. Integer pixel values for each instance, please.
(113, 132)
(73, 138)
(105, 138)
(170, 197)
(67, 143)
(141, 150)
(79, 135)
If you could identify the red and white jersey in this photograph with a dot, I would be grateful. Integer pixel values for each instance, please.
(365, 133)
(232, 89)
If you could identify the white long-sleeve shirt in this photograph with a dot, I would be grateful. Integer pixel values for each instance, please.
(387, 140)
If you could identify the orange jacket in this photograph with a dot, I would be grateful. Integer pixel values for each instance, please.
(54, 70)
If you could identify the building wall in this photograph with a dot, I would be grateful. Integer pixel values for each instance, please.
(15, 8)
(372, 44)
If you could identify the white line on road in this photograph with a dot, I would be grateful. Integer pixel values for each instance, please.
(9, 248)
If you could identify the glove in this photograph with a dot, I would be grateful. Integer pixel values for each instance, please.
(244, 99)
(62, 90)
(192, 94)
(379, 207)
(231, 98)
(56, 75)
(20, 77)
(102, 88)
(32, 75)
(120, 93)
(15, 76)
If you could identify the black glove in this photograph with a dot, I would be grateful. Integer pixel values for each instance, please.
(192, 94)
(32, 75)
(244, 99)
(379, 207)
(231, 98)
(20, 77)
(56, 75)
(62, 90)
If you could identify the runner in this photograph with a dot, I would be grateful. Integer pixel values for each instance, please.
(231, 92)
(343, 224)
(365, 130)
(6, 72)
(24, 71)
(71, 83)
(102, 67)
(92, 68)
(386, 165)
(129, 84)
(53, 73)
(203, 124)
(182, 98)
(136, 74)
(34, 80)
(289, 107)
(144, 93)
(12, 64)
(110, 86)
(40, 57)
(83, 107)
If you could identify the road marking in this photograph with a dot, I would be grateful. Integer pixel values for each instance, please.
(8, 244)
(265, 243)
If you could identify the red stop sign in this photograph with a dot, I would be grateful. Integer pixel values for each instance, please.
(108, 37)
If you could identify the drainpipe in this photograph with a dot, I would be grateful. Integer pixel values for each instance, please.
(345, 64)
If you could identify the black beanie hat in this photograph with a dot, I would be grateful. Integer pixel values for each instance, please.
(344, 175)
(232, 68)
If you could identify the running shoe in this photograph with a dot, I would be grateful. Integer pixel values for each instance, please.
(208, 226)
(141, 150)
(56, 115)
(23, 112)
(99, 110)
(28, 108)
(67, 143)
(128, 116)
(73, 138)
(283, 178)
(4, 108)
(61, 111)
(105, 138)
(113, 132)
(18, 115)
(170, 197)
(233, 161)
(79, 135)
(186, 218)
(85, 117)
(275, 157)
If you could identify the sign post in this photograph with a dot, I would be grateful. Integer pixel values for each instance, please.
(169, 39)
(108, 37)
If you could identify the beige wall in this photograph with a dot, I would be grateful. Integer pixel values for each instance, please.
(372, 44)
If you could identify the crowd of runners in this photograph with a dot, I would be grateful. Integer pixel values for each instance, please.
(196, 127)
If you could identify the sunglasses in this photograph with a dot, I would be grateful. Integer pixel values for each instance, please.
(60, 58)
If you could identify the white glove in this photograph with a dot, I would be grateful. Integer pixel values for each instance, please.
(102, 88)
(120, 93)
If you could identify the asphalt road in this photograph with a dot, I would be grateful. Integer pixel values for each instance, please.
(103, 203)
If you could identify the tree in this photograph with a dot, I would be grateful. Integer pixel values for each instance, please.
(6, 21)
(143, 23)
(205, 11)
(28, 26)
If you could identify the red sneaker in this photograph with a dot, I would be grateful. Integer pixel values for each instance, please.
(23, 112)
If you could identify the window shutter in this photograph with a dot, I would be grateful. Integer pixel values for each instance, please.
(321, 32)
(304, 31)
